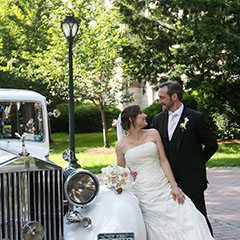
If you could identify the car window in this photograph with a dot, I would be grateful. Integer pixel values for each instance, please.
(21, 117)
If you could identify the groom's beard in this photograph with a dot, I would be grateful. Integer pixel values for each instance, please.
(167, 106)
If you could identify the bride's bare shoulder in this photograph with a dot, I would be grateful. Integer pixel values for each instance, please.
(152, 132)
(120, 145)
(152, 135)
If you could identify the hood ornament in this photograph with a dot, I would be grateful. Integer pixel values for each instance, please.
(24, 152)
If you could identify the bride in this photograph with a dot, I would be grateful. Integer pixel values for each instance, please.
(168, 213)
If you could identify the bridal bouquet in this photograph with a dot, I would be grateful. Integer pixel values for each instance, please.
(116, 177)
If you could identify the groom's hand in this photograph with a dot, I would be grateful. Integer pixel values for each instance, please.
(134, 175)
(178, 195)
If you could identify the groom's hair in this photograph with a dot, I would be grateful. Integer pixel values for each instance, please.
(173, 87)
(131, 112)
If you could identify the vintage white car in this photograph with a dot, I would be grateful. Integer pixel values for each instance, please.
(39, 199)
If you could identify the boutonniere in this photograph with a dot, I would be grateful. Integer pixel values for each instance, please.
(183, 125)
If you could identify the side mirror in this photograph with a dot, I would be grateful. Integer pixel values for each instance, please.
(68, 156)
(55, 113)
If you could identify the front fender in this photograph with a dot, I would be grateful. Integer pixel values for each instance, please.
(110, 213)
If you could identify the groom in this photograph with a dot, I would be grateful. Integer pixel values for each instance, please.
(188, 142)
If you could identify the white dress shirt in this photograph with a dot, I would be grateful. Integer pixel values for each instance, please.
(177, 114)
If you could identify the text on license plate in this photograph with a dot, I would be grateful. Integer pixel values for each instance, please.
(116, 236)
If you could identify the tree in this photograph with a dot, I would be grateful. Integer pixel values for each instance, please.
(34, 50)
(25, 32)
(196, 43)
(99, 77)
(96, 62)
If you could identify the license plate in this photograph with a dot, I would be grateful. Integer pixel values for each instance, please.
(116, 236)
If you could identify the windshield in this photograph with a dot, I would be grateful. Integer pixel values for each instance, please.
(21, 117)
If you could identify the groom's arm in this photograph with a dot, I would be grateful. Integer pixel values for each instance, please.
(207, 138)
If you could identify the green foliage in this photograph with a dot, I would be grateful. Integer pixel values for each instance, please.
(87, 118)
(189, 100)
(60, 124)
(24, 35)
(226, 129)
(220, 105)
(34, 49)
(152, 110)
(195, 43)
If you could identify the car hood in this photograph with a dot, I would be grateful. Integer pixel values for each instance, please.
(6, 156)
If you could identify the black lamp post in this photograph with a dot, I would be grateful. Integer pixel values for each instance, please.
(70, 28)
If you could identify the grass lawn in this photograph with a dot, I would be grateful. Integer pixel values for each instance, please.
(227, 155)
(89, 150)
(92, 156)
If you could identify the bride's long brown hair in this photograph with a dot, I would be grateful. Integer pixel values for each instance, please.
(130, 112)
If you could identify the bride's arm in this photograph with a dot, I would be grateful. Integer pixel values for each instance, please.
(120, 155)
(176, 192)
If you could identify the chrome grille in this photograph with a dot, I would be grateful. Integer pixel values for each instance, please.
(31, 192)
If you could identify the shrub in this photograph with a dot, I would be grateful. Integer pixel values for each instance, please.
(60, 124)
(87, 118)
(226, 128)
(222, 118)
(189, 101)
(152, 110)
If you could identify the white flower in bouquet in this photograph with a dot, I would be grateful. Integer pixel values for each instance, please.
(116, 177)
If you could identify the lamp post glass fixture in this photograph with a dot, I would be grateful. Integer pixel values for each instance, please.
(70, 28)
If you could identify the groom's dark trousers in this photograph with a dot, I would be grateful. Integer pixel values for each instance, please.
(187, 152)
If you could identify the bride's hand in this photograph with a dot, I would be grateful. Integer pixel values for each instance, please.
(178, 195)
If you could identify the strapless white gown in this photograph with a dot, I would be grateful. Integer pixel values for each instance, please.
(165, 219)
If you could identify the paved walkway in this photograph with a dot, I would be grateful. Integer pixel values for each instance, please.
(223, 202)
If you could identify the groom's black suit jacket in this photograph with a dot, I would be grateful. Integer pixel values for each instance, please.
(188, 150)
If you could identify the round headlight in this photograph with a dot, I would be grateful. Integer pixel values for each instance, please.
(81, 187)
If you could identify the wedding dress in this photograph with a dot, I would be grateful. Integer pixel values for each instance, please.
(165, 219)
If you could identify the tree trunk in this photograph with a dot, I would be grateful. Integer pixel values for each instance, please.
(104, 124)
